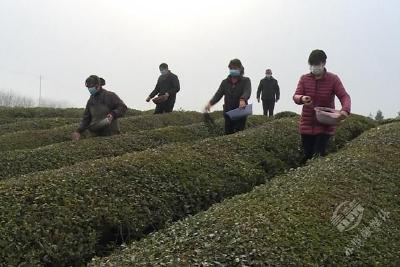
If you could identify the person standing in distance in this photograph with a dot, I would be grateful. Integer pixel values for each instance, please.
(166, 89)
(268, 90)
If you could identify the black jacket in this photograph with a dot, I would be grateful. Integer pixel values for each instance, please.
(167, 83)
(233, 93)
(99, 106)
(268, 89)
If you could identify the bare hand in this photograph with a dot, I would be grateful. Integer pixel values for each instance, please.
(242, 104)
(76, 136)
(343, 115)
(306, 100)
(207, 108)
(110, 117)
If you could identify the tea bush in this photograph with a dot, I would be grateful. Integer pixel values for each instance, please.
(354, 125)
(17, 162)
(39, 138)
(6, 112)
(35, 124)
(285, 114)
(63, 217)
(287, 222)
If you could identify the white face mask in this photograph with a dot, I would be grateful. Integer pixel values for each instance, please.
(268, 76)
(163, 72)
(317, 69)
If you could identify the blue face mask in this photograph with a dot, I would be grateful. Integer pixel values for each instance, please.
(92, 90)
(234, 73)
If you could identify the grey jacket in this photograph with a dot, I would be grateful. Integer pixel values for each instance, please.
(233, 93)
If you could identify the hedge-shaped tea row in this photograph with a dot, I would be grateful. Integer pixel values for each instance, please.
(39, 138)
(386, 121)
(49, 112)
(355, 128)
(287, 222)
(35, 124)
(12, 120)
(17, 162)
(62, 217)
(91, 202)
(285, 114)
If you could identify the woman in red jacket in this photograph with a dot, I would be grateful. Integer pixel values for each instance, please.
(318, 89)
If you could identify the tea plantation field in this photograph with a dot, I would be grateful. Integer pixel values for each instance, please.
(173, 190)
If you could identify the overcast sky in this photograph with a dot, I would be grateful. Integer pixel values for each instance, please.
(124, 41)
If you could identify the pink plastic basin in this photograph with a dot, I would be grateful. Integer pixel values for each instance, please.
(327, 116)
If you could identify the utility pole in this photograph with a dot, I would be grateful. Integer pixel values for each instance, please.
(40, 89)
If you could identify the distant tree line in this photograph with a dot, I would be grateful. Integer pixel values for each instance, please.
(10, 99)
(379, 115)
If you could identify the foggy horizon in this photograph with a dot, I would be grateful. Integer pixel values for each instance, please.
(125, 41)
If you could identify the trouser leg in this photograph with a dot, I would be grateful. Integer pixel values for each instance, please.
(321, 144)
(308, 142)
(229, 125)
(271, 108)
(159, 109)
(240, 125)
(268, 106)
(265, 108)
(169, 106)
